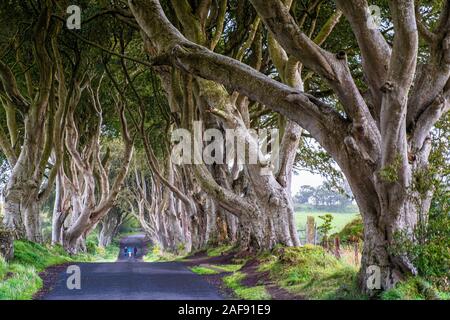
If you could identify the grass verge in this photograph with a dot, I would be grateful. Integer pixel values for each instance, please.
(415, 288)
(155, 254)
(246, 293)
(215, 269)
(19, 279)
(311, 272)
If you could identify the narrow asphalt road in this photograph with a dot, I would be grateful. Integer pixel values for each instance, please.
(132, 279)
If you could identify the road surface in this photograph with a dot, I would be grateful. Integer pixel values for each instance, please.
(132, 279)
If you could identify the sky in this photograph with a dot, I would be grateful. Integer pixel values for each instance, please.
(303, 178)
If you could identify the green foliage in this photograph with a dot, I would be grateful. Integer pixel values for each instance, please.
(325, 197)
(247, 293)
(391, 171)
(326, 225)
(430, 248)
(130, 226)
(91, 246)
(412, 289)
(229, 267)
(352, 231)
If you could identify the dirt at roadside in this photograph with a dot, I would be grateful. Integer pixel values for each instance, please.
(253, 277)
(49, 278)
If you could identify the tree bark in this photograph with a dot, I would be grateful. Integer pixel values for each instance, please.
(109, 227)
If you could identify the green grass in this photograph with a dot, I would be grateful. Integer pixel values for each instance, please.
(415, 288)
(339, 219)
(156, 255)
(18, 282)
(246, 293)
(229, 267)
(217, 251)
(19, 279)
(311, 272)
(200, 270)
(215, 269)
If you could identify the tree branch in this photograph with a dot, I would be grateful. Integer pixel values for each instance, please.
(11, 89)
(375, 51)
(402, 68)
(313, 115)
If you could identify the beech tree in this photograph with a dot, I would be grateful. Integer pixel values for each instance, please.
(86, 176)
(165, 72)
(110, 224)
(380, 138)
(34, 120)
(261, 202)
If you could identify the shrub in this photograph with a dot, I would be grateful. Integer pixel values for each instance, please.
(412, 289)
(429, 248)
(352, 231)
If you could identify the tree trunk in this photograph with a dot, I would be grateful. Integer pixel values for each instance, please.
(59, 210)
(109, 228)
(12, 213)
(6, 244)
(32, 220)
(174, 230)
(387, 213)
(379, 238)
(22, 211)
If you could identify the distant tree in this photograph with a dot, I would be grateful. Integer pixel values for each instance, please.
(304, 194)
(323, 197)
(325, 228)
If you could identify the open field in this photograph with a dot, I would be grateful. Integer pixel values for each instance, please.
(339, 219)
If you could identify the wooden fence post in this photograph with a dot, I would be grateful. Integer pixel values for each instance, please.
(6, 244)
(337, 247)
(356, 253)
(310, 230)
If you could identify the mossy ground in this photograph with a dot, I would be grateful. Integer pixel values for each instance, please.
(307, 271)
(311, 272)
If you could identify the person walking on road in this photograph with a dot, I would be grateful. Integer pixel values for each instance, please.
(135, 250)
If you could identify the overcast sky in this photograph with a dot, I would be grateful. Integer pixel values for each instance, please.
(303, 178)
